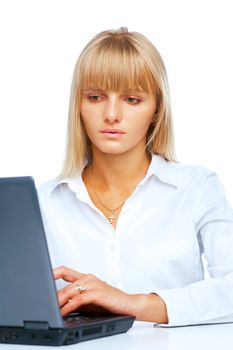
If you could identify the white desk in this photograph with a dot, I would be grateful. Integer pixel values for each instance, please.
(143, 336)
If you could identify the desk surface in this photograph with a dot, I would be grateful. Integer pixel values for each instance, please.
(144, 336)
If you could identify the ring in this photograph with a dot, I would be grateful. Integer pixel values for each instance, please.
(79, 289)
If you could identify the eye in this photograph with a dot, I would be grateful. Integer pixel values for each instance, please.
(94, 98)
(133, 100)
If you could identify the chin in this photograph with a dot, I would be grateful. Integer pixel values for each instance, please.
(112, 150)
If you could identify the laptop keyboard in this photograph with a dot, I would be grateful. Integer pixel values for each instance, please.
(76, 319)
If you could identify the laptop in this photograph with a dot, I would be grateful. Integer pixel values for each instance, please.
(29, 309)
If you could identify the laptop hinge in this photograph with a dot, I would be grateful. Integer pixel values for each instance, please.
(36, 325)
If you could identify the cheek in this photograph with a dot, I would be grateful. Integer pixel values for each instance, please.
(86, 123)
(88, 126)
(84, 112)
(90, 115)
(143, 121)
(87, 118)
(91, 127)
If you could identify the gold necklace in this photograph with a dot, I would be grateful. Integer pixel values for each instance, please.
(112, 216)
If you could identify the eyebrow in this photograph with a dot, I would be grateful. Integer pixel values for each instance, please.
(122, 92)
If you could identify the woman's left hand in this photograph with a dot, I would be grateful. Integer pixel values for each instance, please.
(86, 289)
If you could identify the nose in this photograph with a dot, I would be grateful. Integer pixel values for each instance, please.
(112, 113)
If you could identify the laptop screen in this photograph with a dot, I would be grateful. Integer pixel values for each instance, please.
(27, 290)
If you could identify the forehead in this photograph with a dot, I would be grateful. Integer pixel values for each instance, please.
(115, 71)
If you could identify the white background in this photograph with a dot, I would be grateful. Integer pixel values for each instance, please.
(40, 41)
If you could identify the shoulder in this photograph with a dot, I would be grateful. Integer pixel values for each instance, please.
(55, 189)
(46, 190)
(199, 181)
(201, 185)
(179, 174)
(48, 187)
(188, 172)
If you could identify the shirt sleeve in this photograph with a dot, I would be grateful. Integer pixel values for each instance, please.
(209, 300)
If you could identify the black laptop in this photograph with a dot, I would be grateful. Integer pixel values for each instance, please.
(29, 310)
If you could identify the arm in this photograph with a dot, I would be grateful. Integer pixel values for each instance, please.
(210, 300)
(145, 307)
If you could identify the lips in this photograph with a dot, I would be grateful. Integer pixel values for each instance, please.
(112, 131)
(112, 134)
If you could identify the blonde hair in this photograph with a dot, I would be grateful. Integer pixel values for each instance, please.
(118, 60)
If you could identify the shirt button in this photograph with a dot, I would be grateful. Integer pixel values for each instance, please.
(112, 246)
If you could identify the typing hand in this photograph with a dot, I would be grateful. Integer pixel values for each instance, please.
(87, 292)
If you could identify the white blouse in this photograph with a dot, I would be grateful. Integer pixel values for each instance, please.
(176, 214)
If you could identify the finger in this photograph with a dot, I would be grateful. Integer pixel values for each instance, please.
(70, 291)
(71, 306)
(84, 279)
(67, 293)
(71, 297)
(76, 302)
(66, 274)
(64, 295)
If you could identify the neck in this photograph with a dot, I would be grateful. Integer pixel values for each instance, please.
(118, 171)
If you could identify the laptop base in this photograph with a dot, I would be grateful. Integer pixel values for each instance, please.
(64, 336)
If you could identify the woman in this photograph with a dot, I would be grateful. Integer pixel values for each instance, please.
(127, 223)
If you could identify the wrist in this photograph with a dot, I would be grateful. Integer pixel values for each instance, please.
(149, 307)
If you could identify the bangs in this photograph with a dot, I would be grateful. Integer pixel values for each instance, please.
(115, 65)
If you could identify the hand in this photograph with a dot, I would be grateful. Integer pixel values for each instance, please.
(96, 292)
